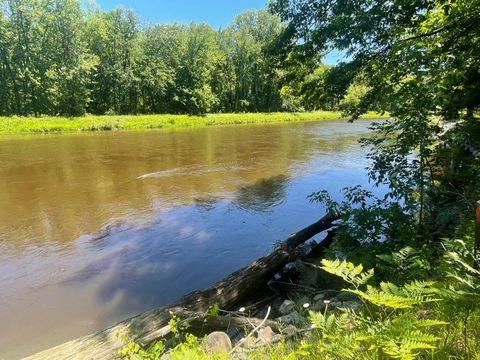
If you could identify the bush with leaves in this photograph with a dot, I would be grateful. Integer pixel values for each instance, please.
(369, 225)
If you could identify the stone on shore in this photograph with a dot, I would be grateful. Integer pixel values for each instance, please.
(218, 341)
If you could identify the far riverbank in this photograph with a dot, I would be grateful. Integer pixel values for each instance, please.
(44, 124)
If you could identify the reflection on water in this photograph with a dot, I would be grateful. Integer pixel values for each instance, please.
(98, 227)
(262, 195)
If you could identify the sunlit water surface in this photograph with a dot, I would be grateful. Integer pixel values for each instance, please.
(98, 227)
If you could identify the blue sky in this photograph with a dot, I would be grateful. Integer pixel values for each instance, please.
(218, 13)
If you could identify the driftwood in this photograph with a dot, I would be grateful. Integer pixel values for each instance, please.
(153, 325)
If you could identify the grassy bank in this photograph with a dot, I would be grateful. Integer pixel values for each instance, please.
(16, 125)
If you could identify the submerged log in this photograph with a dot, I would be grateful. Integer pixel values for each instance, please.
(153, 324)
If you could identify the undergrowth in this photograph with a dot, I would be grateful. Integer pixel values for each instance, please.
(419, 318)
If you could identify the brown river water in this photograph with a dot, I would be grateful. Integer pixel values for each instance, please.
(98, 227)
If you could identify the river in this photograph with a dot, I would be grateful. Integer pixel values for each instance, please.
(97, 227)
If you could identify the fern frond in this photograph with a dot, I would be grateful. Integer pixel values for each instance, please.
(421, 291)
(430, 323)
(347, 271)
(417, 336)
(456, 258)
(404, 350)
(393, 296)
(383, 298)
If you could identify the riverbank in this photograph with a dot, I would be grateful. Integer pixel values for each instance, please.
(20, 125)
(131, 212)
(228, 294)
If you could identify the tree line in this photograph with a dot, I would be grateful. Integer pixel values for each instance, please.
(58, 58)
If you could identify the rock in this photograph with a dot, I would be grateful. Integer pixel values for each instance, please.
(289, 330)
(318, 306)
(346, 296)
(248, 342)
(319, 297)
(310, 276)
(241, 356)
(260, 313)
(334, 304)
(218, 341)
(275, 312)
(233, 333)
(287, 307)
(354, 305)
(304, 300)
(291, 319)
(265, 335)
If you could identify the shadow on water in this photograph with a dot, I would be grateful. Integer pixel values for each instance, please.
(206, 202)
(262, 195)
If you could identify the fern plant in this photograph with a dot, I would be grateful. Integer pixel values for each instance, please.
(393, 323)
(461, 294)
(405, 264)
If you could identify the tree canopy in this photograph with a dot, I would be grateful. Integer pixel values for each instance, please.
(420, 60)
(399, 44)
(57, 58)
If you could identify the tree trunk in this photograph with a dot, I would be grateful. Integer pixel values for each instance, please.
(153, 325)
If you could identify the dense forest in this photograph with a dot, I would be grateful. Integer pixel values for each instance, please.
(57, 58)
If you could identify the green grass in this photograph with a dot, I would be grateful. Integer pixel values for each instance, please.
(19, 125)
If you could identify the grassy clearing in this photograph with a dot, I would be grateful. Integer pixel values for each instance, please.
(18, 125)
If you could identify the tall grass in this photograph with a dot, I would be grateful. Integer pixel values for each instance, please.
(16, 125)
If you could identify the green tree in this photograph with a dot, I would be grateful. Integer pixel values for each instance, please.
(7, 80)
(45, 64)
(420, 61)
(59, 58)
(246, 40)
(68, 66)
(199, 56)
(113, 37)
(158, 66)
(23, 57)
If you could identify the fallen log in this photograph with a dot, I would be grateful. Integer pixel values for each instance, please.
(153, 324)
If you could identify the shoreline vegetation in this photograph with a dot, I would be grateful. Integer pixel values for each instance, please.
(50, 124)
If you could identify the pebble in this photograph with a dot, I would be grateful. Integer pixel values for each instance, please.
(289, 330)
(287, 307)
(266, 335)
(291, 319)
